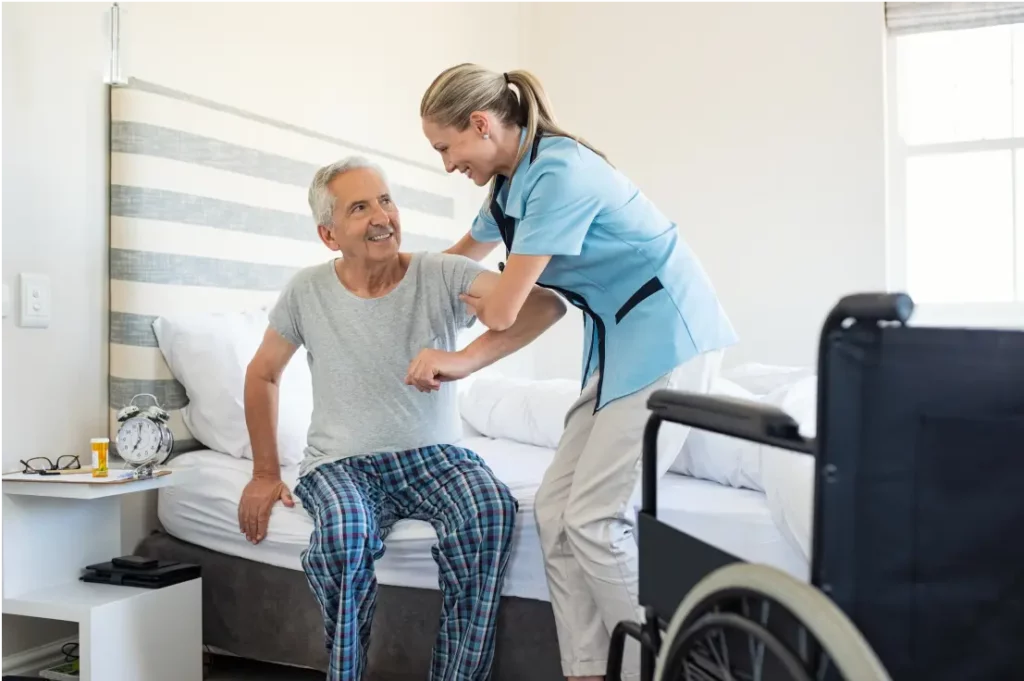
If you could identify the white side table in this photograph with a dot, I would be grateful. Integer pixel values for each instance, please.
(51, 531)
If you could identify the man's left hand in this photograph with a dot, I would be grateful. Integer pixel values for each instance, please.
(432, 367)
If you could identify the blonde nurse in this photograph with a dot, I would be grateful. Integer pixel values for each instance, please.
(569, 221)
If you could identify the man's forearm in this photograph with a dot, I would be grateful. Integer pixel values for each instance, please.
(261, 397)
(540, 312)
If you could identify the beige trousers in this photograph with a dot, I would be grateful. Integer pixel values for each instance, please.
(585, 516)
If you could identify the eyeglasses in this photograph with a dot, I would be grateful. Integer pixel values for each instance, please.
(45, 466)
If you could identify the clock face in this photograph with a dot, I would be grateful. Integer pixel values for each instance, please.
(138, 440)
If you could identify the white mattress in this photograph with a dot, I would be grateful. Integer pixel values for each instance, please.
(205, 513)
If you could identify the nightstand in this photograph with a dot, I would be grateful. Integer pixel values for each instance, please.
(51, 531)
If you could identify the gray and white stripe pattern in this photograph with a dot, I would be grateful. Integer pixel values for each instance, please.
(208, 212)
(905, 18)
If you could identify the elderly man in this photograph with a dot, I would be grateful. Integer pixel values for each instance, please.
(379, 327)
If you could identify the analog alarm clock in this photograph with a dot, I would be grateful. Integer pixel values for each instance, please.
(143, 439)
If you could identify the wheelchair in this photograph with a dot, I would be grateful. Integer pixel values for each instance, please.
(917, 547)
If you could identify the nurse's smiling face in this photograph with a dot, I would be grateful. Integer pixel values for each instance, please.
(478, 152)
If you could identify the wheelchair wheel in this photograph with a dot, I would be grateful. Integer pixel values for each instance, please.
(748, 621)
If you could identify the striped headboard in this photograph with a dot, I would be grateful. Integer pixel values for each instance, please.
(208, 212)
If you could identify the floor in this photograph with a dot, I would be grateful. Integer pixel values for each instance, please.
(224, 668)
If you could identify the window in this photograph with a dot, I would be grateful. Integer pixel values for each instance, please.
(956, 237)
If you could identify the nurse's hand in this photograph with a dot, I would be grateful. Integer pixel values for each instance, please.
(482, 310)
(432, 367)
(473, 304)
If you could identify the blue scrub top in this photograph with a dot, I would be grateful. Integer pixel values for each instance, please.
(648, 304)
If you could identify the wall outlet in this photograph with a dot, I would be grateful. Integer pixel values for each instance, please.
(35, 301)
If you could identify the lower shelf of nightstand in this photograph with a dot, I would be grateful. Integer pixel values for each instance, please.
(71, 602)
(126, 633)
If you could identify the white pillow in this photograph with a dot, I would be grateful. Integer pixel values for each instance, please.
(208, 354)
(741, 463)
(800, 400)
(533, 412)
(720, 458)
(788, 477)
(762, 379)
(523, 410)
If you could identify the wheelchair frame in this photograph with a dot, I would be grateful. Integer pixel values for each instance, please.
(672, 562)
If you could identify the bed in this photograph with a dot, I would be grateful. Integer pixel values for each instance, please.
(257, 603)
(208, 220)
(205, 514)
(515, 425)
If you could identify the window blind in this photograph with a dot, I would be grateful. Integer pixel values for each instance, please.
(902, 18)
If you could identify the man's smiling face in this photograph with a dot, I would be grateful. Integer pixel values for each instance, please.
(366, 224)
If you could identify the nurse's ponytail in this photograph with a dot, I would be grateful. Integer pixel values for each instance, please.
(463, 89)
(537, 116)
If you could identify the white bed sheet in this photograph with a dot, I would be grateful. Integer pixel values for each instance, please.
(737, 521)
(204, 513)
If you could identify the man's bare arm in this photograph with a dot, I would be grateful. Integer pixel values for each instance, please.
(262, 380)
(539, 312)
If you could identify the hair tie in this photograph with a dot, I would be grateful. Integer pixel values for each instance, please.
(507, 81)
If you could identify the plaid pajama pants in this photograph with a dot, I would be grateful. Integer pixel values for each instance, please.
(355, 502)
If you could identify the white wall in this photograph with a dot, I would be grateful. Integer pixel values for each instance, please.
(354, 71)
(55, 223)
(759, 128)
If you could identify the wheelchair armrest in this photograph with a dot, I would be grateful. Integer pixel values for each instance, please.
(731, 416)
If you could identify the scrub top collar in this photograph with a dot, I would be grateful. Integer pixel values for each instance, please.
(515, 205)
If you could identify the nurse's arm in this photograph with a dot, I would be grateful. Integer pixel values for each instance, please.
(541, 310)
(502, 298)
(471, 248)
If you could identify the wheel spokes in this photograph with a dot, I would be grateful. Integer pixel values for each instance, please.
(704, 653)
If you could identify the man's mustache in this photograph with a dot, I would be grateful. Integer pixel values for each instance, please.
(379, 231)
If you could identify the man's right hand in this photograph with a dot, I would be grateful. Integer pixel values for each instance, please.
(258, 498)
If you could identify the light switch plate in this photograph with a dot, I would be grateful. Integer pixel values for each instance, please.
(7, 301)
(35, 301)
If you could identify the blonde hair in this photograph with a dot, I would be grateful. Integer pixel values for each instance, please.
(460, 90)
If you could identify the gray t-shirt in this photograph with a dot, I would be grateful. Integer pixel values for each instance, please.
(359, 350)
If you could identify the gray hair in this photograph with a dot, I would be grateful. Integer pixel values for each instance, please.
(321, 200)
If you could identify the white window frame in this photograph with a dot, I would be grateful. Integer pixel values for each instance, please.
(1001, 315)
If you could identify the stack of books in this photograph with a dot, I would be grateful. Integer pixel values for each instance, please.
(138, 571)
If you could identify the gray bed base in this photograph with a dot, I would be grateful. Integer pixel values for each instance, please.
(269, 613)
